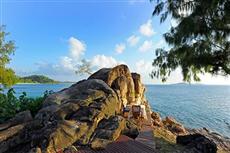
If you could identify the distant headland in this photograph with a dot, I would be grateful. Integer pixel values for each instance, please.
(37, 79)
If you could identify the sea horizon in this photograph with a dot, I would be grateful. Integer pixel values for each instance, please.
(72, 82)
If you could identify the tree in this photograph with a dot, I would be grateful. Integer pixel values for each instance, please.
(84, 67)
(199, 44)
(7, 48)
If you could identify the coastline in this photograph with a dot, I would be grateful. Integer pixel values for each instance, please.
(157, 100)
(44, 83)
(26, 83)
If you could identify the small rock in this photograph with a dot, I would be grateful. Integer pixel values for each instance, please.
(99, 144)
(170, 120)
(172, 125)
(155, 116)
(201, 143)
(131, 129)
(156, 119)
(157, 123)
(178, 128)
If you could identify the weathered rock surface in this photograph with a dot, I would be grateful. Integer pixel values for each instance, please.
(85, 114)
(172, 137)
(20, 118)
(198, 143)
(172, 125)
(168, 123)
(131, 129)
(222, 143)
(68, 116)
(156, 119)
(139, 88)
(107, 131)
(127, 85)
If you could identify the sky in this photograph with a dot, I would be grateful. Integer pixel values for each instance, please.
(53, 36)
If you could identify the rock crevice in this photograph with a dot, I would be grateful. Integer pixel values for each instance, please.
(88, 113)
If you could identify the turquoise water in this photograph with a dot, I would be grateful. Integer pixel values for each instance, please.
(195, 106)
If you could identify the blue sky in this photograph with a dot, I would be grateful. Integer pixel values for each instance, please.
(52, 36)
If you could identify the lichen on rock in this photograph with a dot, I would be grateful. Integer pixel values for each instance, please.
(127, 85)
(88, 113)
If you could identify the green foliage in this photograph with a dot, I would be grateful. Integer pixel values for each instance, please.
(10, 105)
(7, 48)
(200, 43)
(36, 79)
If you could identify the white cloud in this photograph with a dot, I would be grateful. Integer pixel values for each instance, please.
(143, 66)
(56, 71)
(214, 80)
(146, 46)
(67, 63)
(173, 23)
(76, 48)
(66, 66)
(119, 48)
(102, 61)
(47, 68)
(147, 29)
(133, 40)
(132, 2)
(160, 44)
(149, 45)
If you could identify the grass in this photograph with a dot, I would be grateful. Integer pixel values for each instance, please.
(165, 141)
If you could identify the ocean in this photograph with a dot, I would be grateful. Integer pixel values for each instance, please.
(195, 106)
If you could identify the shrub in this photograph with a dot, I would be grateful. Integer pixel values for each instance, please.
(10, 105)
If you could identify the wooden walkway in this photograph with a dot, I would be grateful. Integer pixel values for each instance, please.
(146, 135)
(124, 144)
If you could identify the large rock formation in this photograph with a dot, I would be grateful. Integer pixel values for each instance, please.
(197, 143)
(127, 85)
(85, 114)
(222, 143)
